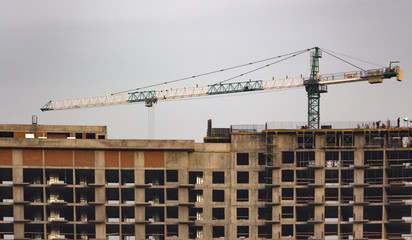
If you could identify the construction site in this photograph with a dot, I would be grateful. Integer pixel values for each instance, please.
(243, 182)
(309, 180)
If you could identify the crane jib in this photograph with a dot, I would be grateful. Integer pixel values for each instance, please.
(235, 87)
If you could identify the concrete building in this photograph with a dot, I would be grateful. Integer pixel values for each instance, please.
(71, 182)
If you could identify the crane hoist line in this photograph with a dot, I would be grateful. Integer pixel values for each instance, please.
(314, 85)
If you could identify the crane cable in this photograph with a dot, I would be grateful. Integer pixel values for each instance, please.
(293, 54)
(343, 60)
(353, 58)
(267, 65)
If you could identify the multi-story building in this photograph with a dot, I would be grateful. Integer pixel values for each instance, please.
(71, 182)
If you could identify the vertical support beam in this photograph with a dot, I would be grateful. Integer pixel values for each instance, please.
(314, 89)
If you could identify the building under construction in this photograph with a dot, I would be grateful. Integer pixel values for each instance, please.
(259, 182)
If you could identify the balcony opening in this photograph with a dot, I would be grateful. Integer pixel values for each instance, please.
(287, 230)
(400, 158)
(265, 177)
(154, 177)
(172, 212)
(347, 139)
(172, 194)
(155, 214)
(128, 232)
(33, 176)
(305, 231)
(347, 158)
(331, 231)
(306, 140)
(33, 195)
(264, 195)
(195, 195)
(127, 195)
(243, 177)
(218, 213)
(84, 195)
(195, 232)
(346, 195)
(287, 194)
(346, 213)
(332, 195)
(113, 232)
(155, 232)
(346, 231)
(172, 176)
(6, 214)
(372, 231)
(304, 159)
(6, 176)
(112, 177)
(172, 230)
(331, 214)
(305, 177)
(218, 232)
(218, 177)
(85, 214)
(84, 176)
(112, 196)
(196, 177)
(304, 213)
(128, 214)
(373, 195)
(242, 231)
(399, 213)
(332, 139)
(288, 157)
(33, 231)
(373, 158)
(242, 213)
(242, 159)
(332, 159)
(195, 214)
(374, 176)
(347, 177)
(372, 213)
(59, 176)
(265, 213)
(127, 177)
(304, 195)
(287, 212)
(331, 177)
(218, 195)
(113, 214)
(155, 196)
(265, 232)
(33, 213)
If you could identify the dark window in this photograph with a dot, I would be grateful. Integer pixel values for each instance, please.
(243, 231)
(287, 212)
(242, 177)
(287, 176)
(218, 231)
(101, 137)
(288, 157)
(172, 194)
(79, 135)
(262, 159)
(196, 177)
(90, 135)
(287, 193)
(243, 159)
(172, 230)
(287, 230)
(7, 134)
(218, 177)
(172, 176)
(172, 212)
(242, 213)
(242, 195)
(218, 195)
(218, 213)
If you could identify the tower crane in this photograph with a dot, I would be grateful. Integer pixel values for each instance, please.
(314, 85)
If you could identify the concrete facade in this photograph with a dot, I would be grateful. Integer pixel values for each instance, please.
(71, 182)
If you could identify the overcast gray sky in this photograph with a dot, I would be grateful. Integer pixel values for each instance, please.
(66, 49)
